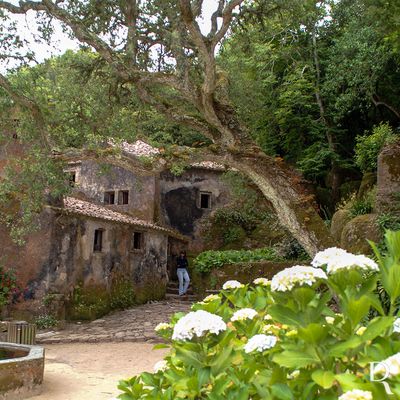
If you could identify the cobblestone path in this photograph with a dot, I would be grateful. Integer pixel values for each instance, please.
(135, 325)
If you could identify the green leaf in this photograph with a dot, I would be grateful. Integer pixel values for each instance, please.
(285, 315)
(376, 327)
(341, 348)
(295, 359)
(313, 333)
(323, 378)
(161, 346)
(282, 391)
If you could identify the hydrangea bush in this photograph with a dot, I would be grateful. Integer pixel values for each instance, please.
(310, 333)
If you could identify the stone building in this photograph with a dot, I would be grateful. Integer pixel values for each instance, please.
(115, 222)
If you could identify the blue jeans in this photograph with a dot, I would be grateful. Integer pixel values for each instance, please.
(184, 280)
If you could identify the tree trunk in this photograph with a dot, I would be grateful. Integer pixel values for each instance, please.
(293, 204)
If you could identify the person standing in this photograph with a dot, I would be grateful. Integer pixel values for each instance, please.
(182, 272)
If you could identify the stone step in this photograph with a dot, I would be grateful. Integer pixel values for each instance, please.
(190, 297)
(175, 290)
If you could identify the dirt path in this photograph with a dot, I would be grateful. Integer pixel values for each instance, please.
(89, 371)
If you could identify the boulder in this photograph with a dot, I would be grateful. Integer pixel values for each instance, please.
(339, 220)
(367, 183)
(388, 194)
(357, 231)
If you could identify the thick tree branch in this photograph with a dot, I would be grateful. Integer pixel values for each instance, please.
(227, 16)
(29, 104)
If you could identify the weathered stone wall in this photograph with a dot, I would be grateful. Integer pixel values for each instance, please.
(93, 181)
(31, 260)
(75, 261)
(180, 201)
(388, 195)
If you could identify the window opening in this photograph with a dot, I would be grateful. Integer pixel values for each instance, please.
(109, 197)
(205, 200)
(98, 240)
(123, 197)
(137, 241)
(72, 178)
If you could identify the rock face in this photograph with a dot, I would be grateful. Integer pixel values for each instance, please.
(388, 195)
(357, 231)
(339, 221)
(367, 183)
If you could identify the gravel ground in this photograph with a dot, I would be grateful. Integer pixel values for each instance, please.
(91, 371)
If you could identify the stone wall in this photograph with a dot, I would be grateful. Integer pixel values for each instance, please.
(92, 180)
(61, 256)
(75, 260)
(388, 195)
(180, 196)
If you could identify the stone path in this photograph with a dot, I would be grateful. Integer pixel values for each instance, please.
(135, 325)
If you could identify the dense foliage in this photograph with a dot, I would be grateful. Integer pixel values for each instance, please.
(305, 335)
(8, 285)
(208, 260)
(319, 75)
(368, 146)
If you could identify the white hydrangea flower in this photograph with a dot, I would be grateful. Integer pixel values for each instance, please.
(210, 297)
(198, 323)
(262, 282)
(360, 331)
(338, 259)
(390, 366)
(298, 275)
(268, 317)
(232, 285)
(244, 313)
(356, 394)
(162, 326)
(161, 365)
(330, 320)
(260, 343)
(325, 256)
(396, 325)
(293, 375)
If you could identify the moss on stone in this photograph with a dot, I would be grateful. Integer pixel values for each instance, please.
(339, 220)
(357, 231)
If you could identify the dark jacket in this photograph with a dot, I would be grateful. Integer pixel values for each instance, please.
(182, 262)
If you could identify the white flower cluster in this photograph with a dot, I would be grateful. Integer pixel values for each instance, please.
(356, 394)
(210, 297)
(198, 323)
(232, 285)
(390, 366)
(162, 326)
(244, 313)
(161, 365)
(337, 259)
(396, 325)
(260, 343)
(262, 282)
(298, 275)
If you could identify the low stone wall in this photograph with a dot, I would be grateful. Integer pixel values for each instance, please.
(21, 378)
(242, 272)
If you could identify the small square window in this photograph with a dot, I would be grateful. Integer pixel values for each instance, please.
(137, 241)
(205, 200)
(123, 197)
(72, 178)
(109, 197)
(98, 240)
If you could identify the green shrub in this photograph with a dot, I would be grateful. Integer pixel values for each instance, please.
(122, 295)
(8, 285)
(46, 321)
(368, 147)
(279, 339)
(89, 302)
(211, 259)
